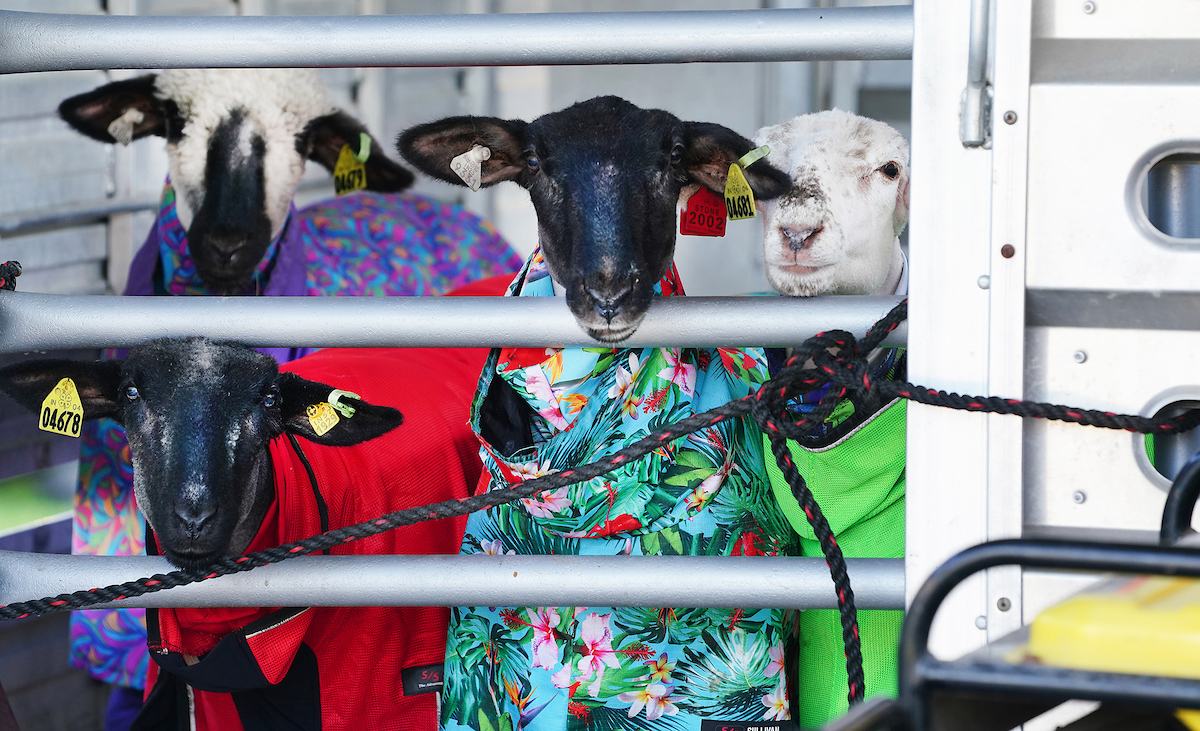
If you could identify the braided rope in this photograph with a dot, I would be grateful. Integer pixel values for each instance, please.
(833, 357)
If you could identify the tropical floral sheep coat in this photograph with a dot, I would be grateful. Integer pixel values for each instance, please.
(552, 668)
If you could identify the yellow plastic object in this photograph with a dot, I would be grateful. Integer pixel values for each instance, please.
(1189, 718)
(1145, 625)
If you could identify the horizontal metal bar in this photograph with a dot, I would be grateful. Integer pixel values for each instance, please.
(48, 219)
(52, 42)
(59, 322)
(614, 581)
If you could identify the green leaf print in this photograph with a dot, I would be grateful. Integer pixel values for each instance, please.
(604, 718)
(484, 723)
(730, 677)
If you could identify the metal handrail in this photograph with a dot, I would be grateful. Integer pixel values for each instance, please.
(58, 322)
(57, 42)
(478, 580)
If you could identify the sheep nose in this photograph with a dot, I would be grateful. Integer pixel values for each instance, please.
(193, 516)
(798, 238)
(609, 307)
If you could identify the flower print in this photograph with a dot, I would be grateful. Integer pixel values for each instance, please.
(678, 372)
(562, 677)
(776, 665)
(538, 385)
(776, 703)
(660, 670)
(495, 548)
(656, 698)
(623, 388)
(619, 524)
(597, 651)
(573, 402)
(546, 504)
(529, 470)
(544, 647)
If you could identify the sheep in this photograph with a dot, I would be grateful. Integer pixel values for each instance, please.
(237, 141)
(218, 471)
(605, 177)
(835, 232)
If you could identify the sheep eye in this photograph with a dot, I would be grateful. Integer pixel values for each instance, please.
(269, 400)
(131, 393)
(676, 154)
(891, 169)
(533, 163)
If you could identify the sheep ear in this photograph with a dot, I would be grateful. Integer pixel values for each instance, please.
(711, 149)
(118, 112)
(30, 382)
(431, 146)
(369, 421)
(323, 138)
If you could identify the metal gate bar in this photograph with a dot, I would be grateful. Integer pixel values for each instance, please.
(480, 580)
(53, 42)
(49, 322)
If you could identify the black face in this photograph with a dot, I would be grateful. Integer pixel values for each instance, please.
(199, 416)
(605, 177)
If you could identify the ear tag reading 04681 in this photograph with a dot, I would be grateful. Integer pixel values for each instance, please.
(469, 166)
(322, 417)
(350, 172)
(62, 411)
(704, 215)
(739, 198)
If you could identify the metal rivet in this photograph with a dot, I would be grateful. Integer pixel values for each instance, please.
(1003, 604)
(1080, 356)
(981, 622)
(1079, 497)
(1010, 117)
(1007, 251)
(984, 281)
(1089, 7)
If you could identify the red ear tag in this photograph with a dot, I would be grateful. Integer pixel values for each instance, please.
(705, 214)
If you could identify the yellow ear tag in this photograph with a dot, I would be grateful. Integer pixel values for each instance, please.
(739, 198)
(322, 417)
(62, 411)
(350, 172)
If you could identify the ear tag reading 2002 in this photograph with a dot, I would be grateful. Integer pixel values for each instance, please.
(704, 215)
(469, 166)
(322, 417)
(739, 198)
(62, 411)
(350, 172)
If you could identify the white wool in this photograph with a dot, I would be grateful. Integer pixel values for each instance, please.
(846, 211)
(278, 104)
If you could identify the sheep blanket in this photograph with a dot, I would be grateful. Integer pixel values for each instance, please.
(539, 410)
(331, 667)
(360, 244)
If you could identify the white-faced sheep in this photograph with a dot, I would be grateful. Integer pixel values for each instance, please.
(218, 471)
(835, 232)
(605, 177)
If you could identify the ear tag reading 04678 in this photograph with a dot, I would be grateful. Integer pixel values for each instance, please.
(62, 411)
(739, 198)
(322, 417)
(350, 172)
(704, 215)
(469, 166)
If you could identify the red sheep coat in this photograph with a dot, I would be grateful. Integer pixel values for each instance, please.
(335, 668)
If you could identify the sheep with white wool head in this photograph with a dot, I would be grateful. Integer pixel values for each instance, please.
(837, 230)
(237, 144)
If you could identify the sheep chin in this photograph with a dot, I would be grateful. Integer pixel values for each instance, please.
(612, 333)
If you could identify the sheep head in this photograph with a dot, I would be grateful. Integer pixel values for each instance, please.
(604, 176)
(237, 142)
(199, 416)
(835, 231)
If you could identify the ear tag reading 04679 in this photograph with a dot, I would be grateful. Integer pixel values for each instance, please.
(350, 172)
(62, 411)
(739, 198)
(704, 215)
(322, 417)
(469, 166)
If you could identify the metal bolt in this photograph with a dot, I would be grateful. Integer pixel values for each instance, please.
(1080, 497)
(1080, 356)
(1010, 117)
(1003, 604)
(1007, 251)
(1089, 7)
(981, 622)
(984, 281)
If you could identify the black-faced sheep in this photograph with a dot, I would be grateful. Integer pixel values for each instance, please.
(218, 470)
